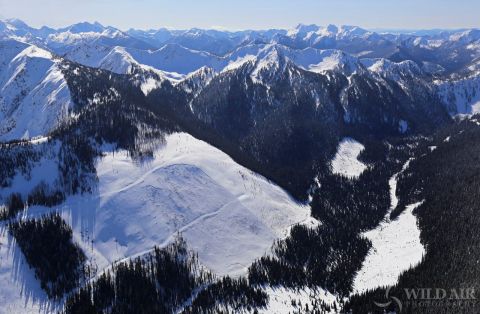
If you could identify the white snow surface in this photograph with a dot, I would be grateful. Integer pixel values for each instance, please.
(280, 299)
(346, 161)
(178, 61)
(226, 213)
(34, 96)
(171, 58)
(120, 60)
(460, 96)
(320, 61)
(392, 183)
(229, 215)
(395, 248)
(283, 300)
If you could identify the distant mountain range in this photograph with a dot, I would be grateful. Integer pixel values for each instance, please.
(448, 62)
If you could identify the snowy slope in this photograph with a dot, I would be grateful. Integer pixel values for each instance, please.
(226, 213)
(461, 96)
(280, 300)
(44, 170)
(393, 70)
(173, 58)
(315, 60)
(176, 58)
(315, 33)
(63, 40)
(120, 61)
(221, 208)
(395, 248)
(89, 55)
(34, 95)
(116, 59)
(346, 161)
(319, 61)
(170, 58)
(196, 81)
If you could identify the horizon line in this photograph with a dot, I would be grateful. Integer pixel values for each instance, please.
(233, 30)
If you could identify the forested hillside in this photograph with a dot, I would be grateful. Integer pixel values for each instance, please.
(445, 176)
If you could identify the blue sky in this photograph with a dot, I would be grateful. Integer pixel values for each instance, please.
(259, 14)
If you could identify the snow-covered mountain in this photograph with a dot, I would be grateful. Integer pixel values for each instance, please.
(461, 95)
(174, 54)
(64, 39)
(220, 207)
(212, 41)
(461, 91)
(176, 58)
(351, 39)
(274, 70)
(34, 96)
(435, 48)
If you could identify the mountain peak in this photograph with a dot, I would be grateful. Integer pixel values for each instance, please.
(305, 28)
(271, 61)
(85, 27)
(331, 28)
(18, 23)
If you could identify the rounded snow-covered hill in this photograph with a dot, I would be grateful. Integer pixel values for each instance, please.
(228, 214)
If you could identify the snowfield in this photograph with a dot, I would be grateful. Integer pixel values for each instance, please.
(221, 208)
(346, 161)
(395, 248)
(280, 300)
(226, 213)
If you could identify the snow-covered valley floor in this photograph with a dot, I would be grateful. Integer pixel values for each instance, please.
(395, 248)
(346, 161)
(286, 301)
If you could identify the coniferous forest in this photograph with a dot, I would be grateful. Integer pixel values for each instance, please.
(48, 248)
(330, 255)
(164, 281)
(447, 181)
